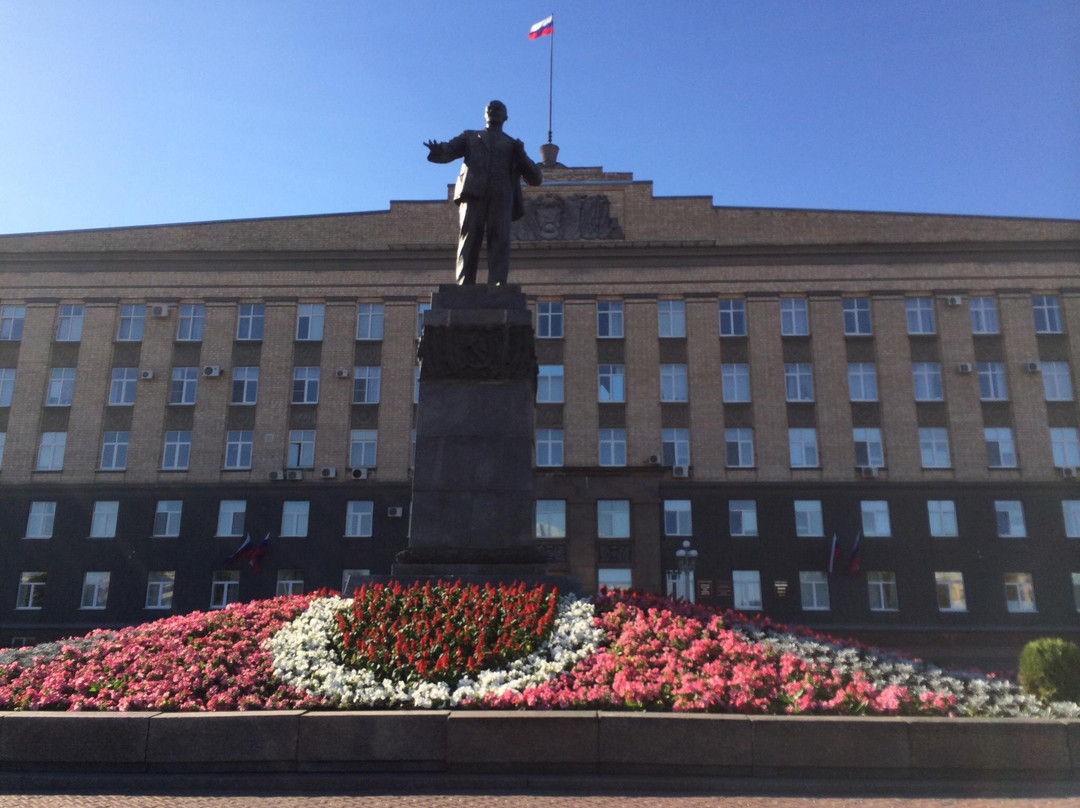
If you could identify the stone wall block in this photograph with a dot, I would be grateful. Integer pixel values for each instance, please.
(662, 743)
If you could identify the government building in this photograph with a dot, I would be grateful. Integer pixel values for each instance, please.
(861, 422)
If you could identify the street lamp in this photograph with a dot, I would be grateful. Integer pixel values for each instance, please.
(687, 558)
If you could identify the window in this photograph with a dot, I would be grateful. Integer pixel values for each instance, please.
(942, 516)
(984, 318)
(1057, 385)
(363, 448)
(675, 447)
(224, 589)
(69, 324)
(613, 518)
(191, 322)
(369, 321)
(359, 518)
(735, 380)
(61, 387)
(1019, 592)
(927, 379)
(612, 447)
(122, 386)
(245, 385)
(238, 446)
(95, 590)
(1065, 446)
(167, 517)
(950, 592)
(742, 517)
(1076, 589)
(290, 582)
(991, 381)
(39, 525)
(12, 319)
(862, 381)
(416, 385)
(549, 384)
(794, 321)
(869, 450)
(114, 449)
(732, 318)
(31, 594)
(231, 517)
(177, 450)
(549, 447)
(609, 319)
(549, 319)
(301, 449)
(739, 447)
(366, 385)
(103, 521)
(184, 385)
(920, 315)
(159, 589)
(746, 586)
(309, 321)
(875, 517)
(347, 574)
(808, 521)
(857, 317)
(132, 321)
(673, 383)
(802, 446)
(672, 318)
(1009, 514)
(294, 518)
(421, 309)
(1047, 314)
(7, 386)
(934, 447)
(1000, 452)
(677, 518)
(249, 321)
(3, 440)
(814, 590)
(881, 589)
(305, 386)
(550, 519)
(614, 578)
(610, 383)
(798, 381)
(51, 451)
(1070, 510)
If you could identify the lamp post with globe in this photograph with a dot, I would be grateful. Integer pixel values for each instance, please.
(687, 558)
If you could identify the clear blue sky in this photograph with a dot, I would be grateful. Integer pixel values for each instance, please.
(127, 112)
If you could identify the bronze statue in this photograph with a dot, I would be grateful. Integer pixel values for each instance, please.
(488, 192)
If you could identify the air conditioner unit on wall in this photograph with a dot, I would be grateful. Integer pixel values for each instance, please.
(680, 471)
(277, 475)
(294, 474)
(964, 367)
(1069, 472)
(1032, 367)
(342, 373)
(654, 460)
(211, 370)
(868, 472)
(395, 512)
(159, 310)
(146, 374)
(359, 473)
(954, 300)
(328, 472)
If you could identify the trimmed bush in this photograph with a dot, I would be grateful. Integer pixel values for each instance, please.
(1050, 669)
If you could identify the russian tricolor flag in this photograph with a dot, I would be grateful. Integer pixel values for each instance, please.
(542, 28)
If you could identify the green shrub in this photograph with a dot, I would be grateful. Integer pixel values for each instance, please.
(1050, 669)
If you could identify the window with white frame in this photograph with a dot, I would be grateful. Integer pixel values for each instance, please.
(95, 590)
(31, 594)
(7, 386)
(39, 524)
(814, 590)
(950, 591)
(103, 519)
(742, 517)
(808, 519)
(739, 447)
(69, 323)
(609, 319)
(798, 381)
(857, 317)
(366, 381)
(862, 381)
(351, 573)
(122, 386)
(612, 447)
(991, 381)
(238, 446)
(1070, 512)
(177, 450)
(309, 322)
(984, 315)
(369, 322)
(359, 518)
(549, 319)
(231, 517)
(294, 518)
(51, 451)
(114, 451)
(184, 386)
(614, 578)
(732, 318)
(934, 447)
(746, 587)
(301, 449)
(305, 388)
(159, 589)
(132, 321)
(1065, 446)
(794, 320)
(675, 446)
(251, 317)
(875, 517)
(920, 315)
(610, 384)
(549, 384)
(245, 385)
(678, 519)
(167, 517)
(1076, 589)
(421, 310)
(1009, 515)
(61, 387)
(1057, 383)
(363, 448)
(802, 447)
(613, 518)
(1000, 452)
(735, 383)
(550, 519)
(927, 379)
(671, 316)
(941, 514)
(12, 319)
(869, 450)
(1047, 312)
(1019, 592)
(3, 441)
(881, 590)
(549, 447)
(191, 322)
(224, 589)
(290, 582)
(673, 385)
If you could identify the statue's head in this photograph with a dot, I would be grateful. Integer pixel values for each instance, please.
(495, 113)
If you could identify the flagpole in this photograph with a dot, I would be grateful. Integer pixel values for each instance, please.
(551, 70)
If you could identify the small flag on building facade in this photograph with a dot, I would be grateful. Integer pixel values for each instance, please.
(834, 554)
(249, 551)
(853, 562)
(543, 28)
